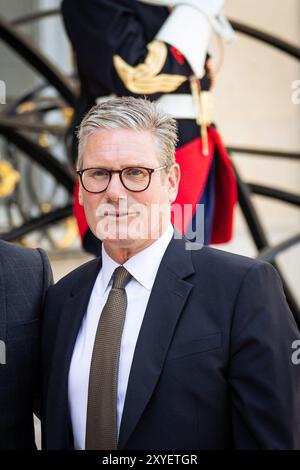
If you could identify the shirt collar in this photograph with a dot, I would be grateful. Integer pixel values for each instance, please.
(150, 257)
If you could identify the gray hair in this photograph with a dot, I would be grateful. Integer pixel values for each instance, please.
(131, 113)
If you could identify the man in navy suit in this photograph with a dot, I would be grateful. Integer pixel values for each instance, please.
(25, 275)
(205, 355)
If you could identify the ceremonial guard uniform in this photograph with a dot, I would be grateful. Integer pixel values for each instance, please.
(158, 49)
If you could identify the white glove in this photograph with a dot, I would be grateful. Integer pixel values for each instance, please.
(188, 30)
(189, 26)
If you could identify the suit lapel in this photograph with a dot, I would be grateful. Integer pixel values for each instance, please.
(168, 297)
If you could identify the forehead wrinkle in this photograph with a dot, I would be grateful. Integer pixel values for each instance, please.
(119, 158)
(117, 151)
(119, 145)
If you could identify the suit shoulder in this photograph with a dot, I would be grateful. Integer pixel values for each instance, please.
(220, 261)
(77, 275)
(19, 255)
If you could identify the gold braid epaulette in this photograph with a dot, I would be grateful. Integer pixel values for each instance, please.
(145, 78)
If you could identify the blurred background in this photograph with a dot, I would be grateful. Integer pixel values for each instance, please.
(253, 107)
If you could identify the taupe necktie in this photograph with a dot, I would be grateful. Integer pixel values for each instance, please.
(101, 424)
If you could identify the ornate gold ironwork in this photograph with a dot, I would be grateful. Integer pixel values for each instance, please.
(9, 178)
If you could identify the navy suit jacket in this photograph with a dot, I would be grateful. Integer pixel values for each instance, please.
(212, 366)
(25, 275)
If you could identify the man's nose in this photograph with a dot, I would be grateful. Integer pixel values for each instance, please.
(115, 189)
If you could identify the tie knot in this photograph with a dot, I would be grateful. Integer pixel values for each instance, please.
(120, 278)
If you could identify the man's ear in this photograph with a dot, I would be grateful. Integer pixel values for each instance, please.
(80, 198)
(173, 179)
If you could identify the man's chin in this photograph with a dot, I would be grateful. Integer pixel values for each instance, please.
(120, 238)
(113, 244)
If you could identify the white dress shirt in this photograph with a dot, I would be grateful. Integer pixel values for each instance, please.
(143, 267)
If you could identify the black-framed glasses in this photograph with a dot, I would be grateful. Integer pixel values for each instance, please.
(135, 179)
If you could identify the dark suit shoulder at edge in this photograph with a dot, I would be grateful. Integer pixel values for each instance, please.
(14, 250)
(221, 258)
